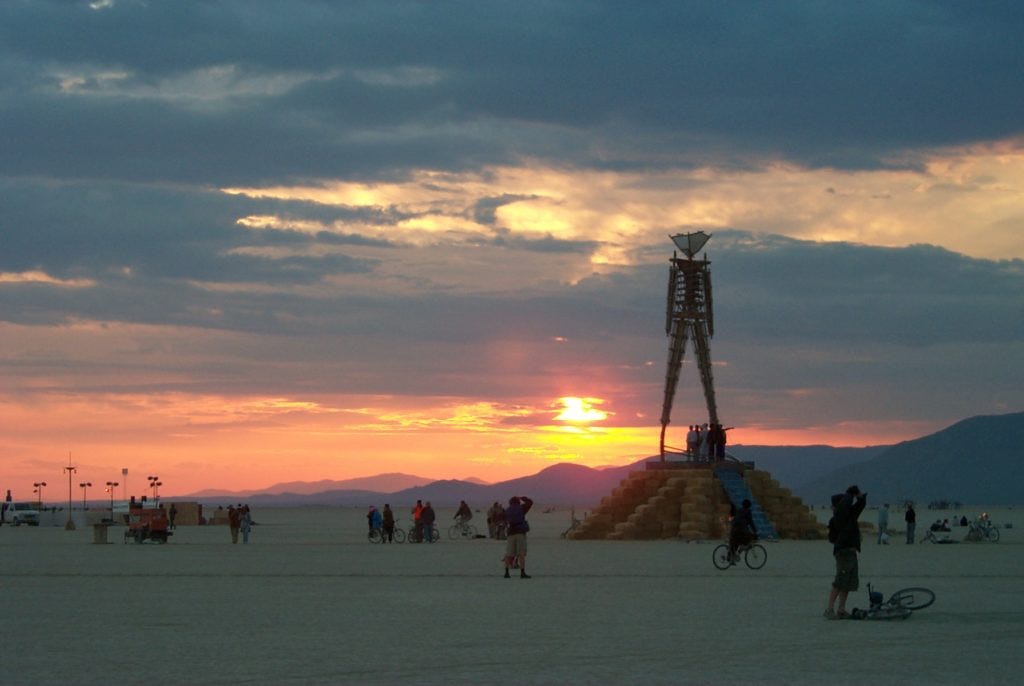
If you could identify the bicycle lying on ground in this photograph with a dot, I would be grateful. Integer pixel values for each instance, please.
(983, 530)
(753, 554)
(900, 604)
(575, 524)
(461, 530)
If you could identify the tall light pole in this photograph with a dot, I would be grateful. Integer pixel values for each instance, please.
(111, 485)
(70, 526)
(155, 484)
(39, 493)
(84, 485)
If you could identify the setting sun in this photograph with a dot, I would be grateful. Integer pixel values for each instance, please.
(580, 410)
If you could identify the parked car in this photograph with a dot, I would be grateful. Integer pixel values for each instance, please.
(22, 513)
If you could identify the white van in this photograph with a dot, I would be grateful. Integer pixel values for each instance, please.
(21, 513)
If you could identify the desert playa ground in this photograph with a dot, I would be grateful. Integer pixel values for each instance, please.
(309, 601)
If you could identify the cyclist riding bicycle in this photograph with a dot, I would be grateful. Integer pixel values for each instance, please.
(742, 530)
(464, 514)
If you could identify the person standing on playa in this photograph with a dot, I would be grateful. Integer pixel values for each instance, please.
(844, 533)
(515, 546)
(374, 521)
(417, 525)
(883, 524)
(388, 520)
(427, 522)
(911, 519)
(245, 523)
(234, 522)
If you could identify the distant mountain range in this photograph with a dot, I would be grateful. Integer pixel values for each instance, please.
(383, 483)
(976, 461)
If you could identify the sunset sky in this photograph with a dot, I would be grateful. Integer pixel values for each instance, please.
(251, 242)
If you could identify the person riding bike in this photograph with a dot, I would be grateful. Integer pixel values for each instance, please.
(464, 514)
(742, 530)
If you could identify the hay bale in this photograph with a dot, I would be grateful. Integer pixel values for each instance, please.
(698, 499)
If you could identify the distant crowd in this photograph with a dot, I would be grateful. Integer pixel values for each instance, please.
(503, 523)
(706, 442)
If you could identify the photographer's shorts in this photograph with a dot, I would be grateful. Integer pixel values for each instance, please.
(847, 577)
(515, 545)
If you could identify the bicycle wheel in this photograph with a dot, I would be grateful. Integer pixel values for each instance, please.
(471, 531)
(375, 536)
(914, 598)
(720, 556)
(992, 535)
(454, 531)
(399, 535)
(756, 556)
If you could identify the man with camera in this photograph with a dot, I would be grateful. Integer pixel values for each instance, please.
(844, 534)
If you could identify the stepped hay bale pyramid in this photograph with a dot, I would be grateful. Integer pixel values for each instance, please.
(687, 501)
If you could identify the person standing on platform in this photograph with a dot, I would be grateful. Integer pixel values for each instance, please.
(692, 443)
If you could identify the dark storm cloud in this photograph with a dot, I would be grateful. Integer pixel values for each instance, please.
(97, 230)
(921, 295)
(381, 88)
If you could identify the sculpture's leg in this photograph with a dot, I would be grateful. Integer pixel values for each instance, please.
(675, 362)
(703, 351)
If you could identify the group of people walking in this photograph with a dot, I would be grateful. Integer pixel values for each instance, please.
(706, 443)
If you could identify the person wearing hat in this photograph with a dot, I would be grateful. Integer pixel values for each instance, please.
(844, 534)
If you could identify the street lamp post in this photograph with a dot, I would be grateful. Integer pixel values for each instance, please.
(111, 485)
(70, 526)
(84, 486)
(155, 484)
(39, 494)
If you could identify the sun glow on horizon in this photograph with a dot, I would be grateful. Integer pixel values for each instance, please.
(580, 410)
